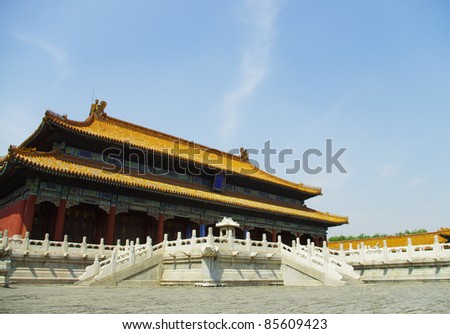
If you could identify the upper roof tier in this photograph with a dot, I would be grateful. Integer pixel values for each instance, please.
(100, 126)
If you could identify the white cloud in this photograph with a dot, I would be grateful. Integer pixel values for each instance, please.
(387, 170)
(260, 17)
(416, 182)
(57, 55)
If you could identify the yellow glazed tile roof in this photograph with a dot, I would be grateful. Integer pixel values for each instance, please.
(115, 130)
(56, 162)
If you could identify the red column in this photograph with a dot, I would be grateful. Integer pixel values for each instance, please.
(160, 234)
(28, 215)
(111, 226)
(316, 240)
(274, 235)
(60, 218)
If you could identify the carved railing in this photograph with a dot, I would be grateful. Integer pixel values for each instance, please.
(210, 246)
(317, 258)
(122, 259)
(364, 255)
(18, 246)
(222, 243)
(108, 259)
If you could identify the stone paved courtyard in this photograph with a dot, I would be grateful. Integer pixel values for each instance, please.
(365, 298)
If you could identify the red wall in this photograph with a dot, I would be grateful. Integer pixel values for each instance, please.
(11, 218)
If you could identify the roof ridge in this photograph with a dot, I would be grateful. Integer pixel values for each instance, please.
(197, 145)
(53, 115)
(103, 117)
(165, 135)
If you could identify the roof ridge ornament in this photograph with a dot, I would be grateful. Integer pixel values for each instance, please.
(49, 112)
(98, 109)
(244, 155)
(20, 149)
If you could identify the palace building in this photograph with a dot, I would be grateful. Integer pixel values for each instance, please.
(107, 178)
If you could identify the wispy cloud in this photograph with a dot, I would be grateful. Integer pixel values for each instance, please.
(58, 56)
(259, 17)
(387, 170)
(416, 182)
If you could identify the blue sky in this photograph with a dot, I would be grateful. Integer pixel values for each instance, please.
(373, 76)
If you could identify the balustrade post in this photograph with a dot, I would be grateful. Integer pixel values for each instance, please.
(230, 240)
(96, 265)
(149, 247)
(165, 240)
(46, 243)
(138, 242)
(132, 258)
(118, 243)
(437, 247)
(350, 252)
(308, 252)
(297, 242)
(114, 260)
(127, 245)
(194, 239)
(385, 252)
(65, 244)
(26, 242)
(101, 249)
(409, 250)
(248, 242)
(83, 248)
(264, 243)
(210, 237)
(325, 257)
(280, 244)
(178, 241)
(362, 253)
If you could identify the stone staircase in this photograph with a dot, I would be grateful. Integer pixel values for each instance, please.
(136, 262)
(217, 261)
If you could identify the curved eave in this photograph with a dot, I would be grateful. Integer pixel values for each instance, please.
(3, 167)
(77, 128)
(29, 142)
(31, 160)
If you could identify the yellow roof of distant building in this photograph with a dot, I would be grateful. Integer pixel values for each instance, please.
(396, 241)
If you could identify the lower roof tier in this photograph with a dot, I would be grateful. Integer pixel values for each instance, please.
(56, 163)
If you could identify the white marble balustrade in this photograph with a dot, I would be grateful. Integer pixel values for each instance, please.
(364, 255)
(18, 246)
